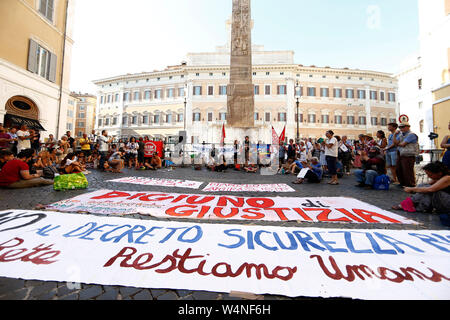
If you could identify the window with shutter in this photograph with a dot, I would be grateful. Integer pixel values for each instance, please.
(46, 8)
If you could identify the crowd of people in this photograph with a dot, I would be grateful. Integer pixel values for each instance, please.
(27, 161)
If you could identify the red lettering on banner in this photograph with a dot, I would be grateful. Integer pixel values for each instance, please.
(367, 215)
(302, 214)
(323, 215)
(177, 262)
(347, 213)
(113, 194)
(137, 195)
(179, 198)
(258, 215)
(194, 199)
(203, 211)
(35, 255)
(223, 201)
(260, 202)
(183, 213)
(279, 212)
(362, 272)
(218, 212)
(163, 197)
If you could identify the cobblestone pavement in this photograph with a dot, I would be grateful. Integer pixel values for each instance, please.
(19, 289)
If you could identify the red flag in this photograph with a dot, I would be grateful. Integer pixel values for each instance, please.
(283, 135)
(222, 140)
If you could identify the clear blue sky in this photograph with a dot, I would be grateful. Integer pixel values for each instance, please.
(114, 37)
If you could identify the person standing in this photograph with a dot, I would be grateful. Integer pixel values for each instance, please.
(246, 150)
(345, 153)
(408, 149)
(391, 151)
(23, 139)
(331, 155)
(85, 144)
(13, 144)
(291, 150)
(71, 141)
(446, 145)
(5, 139)
(35, 140)
(103, 149)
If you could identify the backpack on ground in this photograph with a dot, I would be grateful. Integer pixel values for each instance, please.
(382, 182)
(49, 172)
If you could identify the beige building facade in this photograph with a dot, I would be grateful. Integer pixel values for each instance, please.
(35, 54)
(84, 113)
(192, 97)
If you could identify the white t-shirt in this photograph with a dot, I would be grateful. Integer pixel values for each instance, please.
(23, 144)
(103, 143)
(333, 151)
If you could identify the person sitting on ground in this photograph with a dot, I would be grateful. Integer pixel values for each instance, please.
(5, 156)
(373, 165)
(70, 164)
(15, 173)
(311, 172)
(252, 168)
(156, 161)
(434, 196)
(285, 168)
(81, 156)
(297, 165)
(213, 166)
(116, 162)
(43, 160)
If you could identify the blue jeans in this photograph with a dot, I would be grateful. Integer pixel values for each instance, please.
(367, 177)
(102, 160)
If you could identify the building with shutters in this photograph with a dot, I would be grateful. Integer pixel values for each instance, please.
(84, 113)
(424, 79)
(35, 58)
(192, 96)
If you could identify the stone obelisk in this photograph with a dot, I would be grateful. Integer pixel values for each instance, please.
(240, 91)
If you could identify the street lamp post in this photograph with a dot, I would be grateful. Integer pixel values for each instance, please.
(297, 97)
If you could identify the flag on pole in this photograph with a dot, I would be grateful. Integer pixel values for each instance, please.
(283, 134)
(275, 139)
(222, 140)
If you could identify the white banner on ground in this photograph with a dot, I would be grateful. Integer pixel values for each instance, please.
(159, 182)
(290, 261)
(217, 186)
(220, 207)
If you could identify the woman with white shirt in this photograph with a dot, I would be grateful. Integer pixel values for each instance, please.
(331, 155)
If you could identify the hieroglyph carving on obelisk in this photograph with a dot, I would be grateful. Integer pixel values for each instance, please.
(240, 91)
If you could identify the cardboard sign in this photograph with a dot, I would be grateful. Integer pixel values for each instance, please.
(159, 182)
(360, 264)
(217, 207)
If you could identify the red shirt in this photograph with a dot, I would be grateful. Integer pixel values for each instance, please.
(11, 172)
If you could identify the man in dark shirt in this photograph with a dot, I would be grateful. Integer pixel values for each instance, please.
(71, 141)
(373, 165)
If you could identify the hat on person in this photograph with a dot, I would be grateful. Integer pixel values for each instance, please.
(404, 124)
